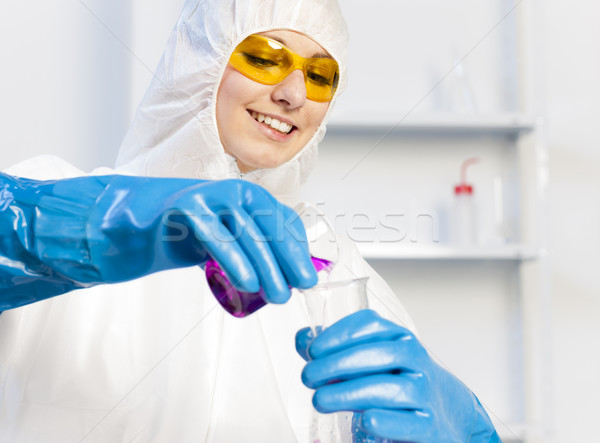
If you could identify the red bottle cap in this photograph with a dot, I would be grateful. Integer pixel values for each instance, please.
(463, 189)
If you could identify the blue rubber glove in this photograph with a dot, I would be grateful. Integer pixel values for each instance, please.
(379, 370)
(60, 235)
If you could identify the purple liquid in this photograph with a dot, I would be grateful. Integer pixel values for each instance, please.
(239, 303)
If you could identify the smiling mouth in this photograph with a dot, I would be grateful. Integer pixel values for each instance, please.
(273, 123)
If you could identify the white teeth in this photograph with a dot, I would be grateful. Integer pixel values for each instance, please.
(272, 122)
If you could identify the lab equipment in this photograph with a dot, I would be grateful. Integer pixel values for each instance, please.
(465, 229)
(67, 234)
(327, 303)
(268, 61)
(372, 366)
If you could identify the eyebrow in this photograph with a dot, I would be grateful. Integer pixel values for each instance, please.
(316, 55)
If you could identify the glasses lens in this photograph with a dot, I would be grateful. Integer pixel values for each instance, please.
(262, 60)
(321, 79)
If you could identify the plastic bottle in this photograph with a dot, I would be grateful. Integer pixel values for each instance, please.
(464, 231)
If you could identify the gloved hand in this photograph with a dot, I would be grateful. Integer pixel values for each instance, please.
(379, 370)
(67, 234)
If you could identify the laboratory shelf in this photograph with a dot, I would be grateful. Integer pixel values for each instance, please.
(401, 251)
(443, 124)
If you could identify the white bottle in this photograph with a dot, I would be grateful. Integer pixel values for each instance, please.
(464, 217)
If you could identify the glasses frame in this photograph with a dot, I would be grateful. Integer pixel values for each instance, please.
(239, 60)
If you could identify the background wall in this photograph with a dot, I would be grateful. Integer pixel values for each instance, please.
(74, 72)
(572, 93)
(65, 82)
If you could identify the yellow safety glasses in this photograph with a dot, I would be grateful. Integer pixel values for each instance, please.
(268, 62)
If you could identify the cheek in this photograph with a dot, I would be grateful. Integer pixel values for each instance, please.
(236, 89)
(316, 113)
(230, 99)
(228, 90)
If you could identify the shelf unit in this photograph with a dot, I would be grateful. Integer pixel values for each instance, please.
(449, 125)
(523, 257)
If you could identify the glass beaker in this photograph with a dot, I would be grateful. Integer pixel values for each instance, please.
(327, 303)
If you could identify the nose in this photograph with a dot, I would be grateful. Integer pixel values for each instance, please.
(291, 91)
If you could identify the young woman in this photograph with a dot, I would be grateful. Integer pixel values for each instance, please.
(243, 90)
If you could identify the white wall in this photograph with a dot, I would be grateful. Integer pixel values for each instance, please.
(152, 24)
(65, 79)
(572, 90)
(73, 74)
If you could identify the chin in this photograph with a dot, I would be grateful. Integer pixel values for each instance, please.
(265, 161)
(268, 164)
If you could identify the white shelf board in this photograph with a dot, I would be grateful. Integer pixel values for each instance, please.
(509, 123)
(405, 251)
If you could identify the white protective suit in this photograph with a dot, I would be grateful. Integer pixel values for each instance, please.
(157, 359)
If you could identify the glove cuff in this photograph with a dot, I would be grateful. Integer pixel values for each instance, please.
(60, 232)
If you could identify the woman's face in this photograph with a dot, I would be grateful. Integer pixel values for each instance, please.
(241, 102)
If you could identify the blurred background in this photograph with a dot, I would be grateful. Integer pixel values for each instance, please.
(502, 280)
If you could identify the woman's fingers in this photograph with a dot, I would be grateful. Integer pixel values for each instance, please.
(283, 230)
(258, 241)
(364, 326)
(384, 391)
(244, 217)
(225, 249)
(396, 357)
(255, 244)
(304, 338)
